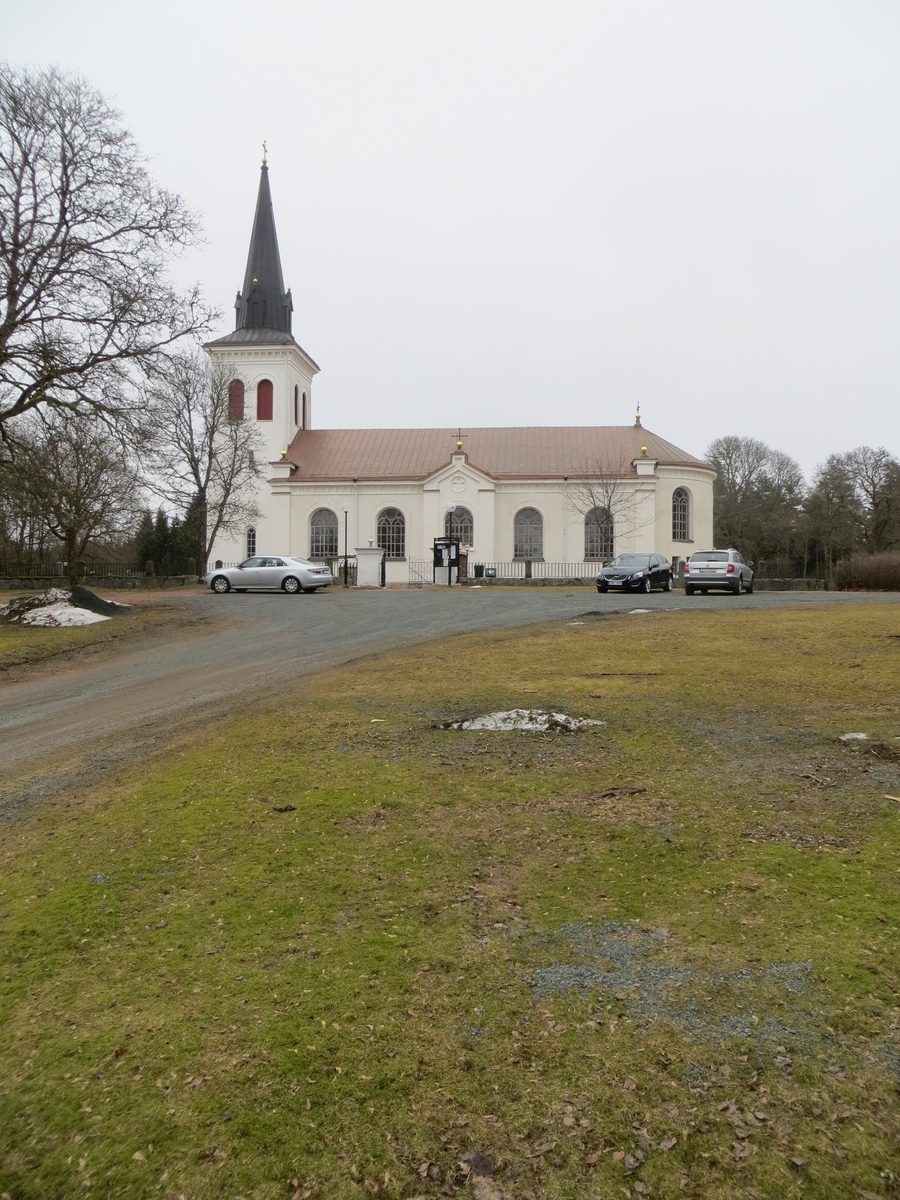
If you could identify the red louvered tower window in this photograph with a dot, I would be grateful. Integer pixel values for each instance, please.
(264, 400)
(235, 400)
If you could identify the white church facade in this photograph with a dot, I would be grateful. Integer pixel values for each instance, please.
(537, 495)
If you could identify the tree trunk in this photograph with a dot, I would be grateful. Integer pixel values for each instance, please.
(72, 563)
(203, 533)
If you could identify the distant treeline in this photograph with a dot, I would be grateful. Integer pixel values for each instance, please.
(793, 527)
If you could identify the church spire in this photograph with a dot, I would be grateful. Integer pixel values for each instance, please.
(263, 303)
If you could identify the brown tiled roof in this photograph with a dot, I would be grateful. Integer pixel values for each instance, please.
(524, 452)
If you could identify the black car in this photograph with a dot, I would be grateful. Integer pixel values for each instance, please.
(636, 573)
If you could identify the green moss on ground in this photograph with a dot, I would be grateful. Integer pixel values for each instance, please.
(330, 950)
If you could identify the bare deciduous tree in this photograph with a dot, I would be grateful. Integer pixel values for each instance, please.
(834, 512)
(75, 480)
(85, 242)
(758, 495)
(875, 477)
(605, 492)
(201, 457)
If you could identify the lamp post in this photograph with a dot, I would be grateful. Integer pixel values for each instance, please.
(451, 509)
(346, 508)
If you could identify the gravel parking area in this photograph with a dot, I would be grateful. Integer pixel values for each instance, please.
(85, 717)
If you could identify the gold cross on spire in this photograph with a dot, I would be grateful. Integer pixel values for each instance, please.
(265, 154)
(459, 439)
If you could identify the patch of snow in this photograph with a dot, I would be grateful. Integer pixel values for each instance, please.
(633, 611)
(527, 719)
(58, 615)
(854, 737)
(58, 607)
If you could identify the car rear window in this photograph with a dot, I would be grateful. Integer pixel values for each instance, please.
(710, 556)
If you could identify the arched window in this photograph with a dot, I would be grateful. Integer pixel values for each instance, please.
(323, 534)
(598, 536)
(296, 404)
(303, 422)
(460, 524)
(264, 400)
(251, 542)
(681, 515)
(392, 532)
(528, 535)
(236, 400)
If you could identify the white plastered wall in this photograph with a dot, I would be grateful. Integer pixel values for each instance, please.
(645, 526)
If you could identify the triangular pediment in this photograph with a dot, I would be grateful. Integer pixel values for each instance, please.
(462, 468)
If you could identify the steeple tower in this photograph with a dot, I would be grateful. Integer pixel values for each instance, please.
(270, 375)
(263, 303)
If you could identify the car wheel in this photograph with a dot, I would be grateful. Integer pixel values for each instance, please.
(220, 585)
(602, 588)
(290, 585)
(309, 591)
(737, 587)
(750, 588)
(669, 583)
(645, 586)
(688, 590)
(704, 591)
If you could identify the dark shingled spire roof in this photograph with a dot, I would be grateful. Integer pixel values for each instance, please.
(263, 308)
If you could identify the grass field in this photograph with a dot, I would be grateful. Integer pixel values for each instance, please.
(331, 950)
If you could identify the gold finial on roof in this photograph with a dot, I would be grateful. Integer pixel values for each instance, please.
(637, 415)
(643, 449)
(265, 154)
(458, 444)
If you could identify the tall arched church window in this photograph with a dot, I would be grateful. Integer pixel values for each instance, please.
(236, 400)
(599, 536)
(296, 404)
(264, 400)
(323, 534)
(681, 515)
(460, 524)
(528, 535)
(251, 542)
(303, 413)
(392, 532)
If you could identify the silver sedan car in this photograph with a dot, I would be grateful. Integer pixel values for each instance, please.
(282, 571)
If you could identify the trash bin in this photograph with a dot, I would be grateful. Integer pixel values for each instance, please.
(479, 570)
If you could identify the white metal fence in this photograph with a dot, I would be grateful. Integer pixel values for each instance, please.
(534, 570)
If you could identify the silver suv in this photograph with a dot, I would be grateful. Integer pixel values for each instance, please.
(723, 569)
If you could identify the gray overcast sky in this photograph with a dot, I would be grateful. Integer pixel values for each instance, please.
(540, 213)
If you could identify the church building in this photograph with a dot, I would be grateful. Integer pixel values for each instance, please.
(551, 497)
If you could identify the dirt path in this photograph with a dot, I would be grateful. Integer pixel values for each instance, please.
(71, 723)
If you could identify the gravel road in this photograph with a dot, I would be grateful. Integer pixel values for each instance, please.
(103, 713)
